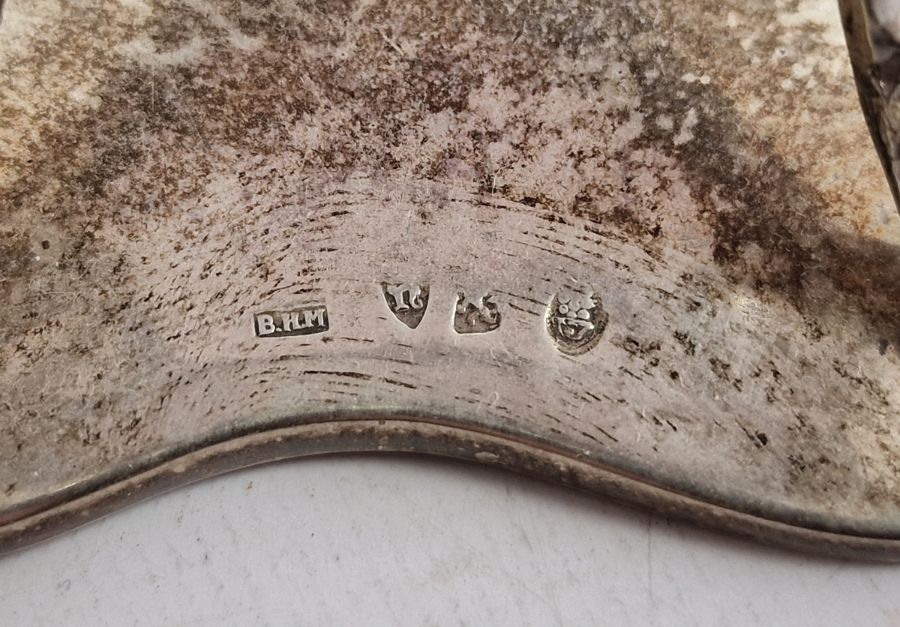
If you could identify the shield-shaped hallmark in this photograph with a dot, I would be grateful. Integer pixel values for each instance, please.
(407, 301)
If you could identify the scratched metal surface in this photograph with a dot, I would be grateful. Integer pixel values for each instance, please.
(169, 170)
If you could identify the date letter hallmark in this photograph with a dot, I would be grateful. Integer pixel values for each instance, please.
(480, 316)
(301, 321)
(406, 301)
(576, 321)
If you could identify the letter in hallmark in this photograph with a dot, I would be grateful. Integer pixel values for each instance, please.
(479, 316)
(407, 301)
(301, 321)
(576, 320)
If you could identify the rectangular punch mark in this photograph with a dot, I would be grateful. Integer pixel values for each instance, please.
(306, 320)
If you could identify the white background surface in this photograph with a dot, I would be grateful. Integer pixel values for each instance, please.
(411, 541)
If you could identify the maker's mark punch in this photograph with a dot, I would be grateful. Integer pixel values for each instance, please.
(302, 321)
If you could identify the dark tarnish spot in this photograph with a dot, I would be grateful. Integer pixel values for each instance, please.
(439, 85)
(16, 259)
(174, 26)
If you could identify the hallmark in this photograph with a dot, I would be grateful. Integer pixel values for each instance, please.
(407, 301)
(481, 316)
(301, 321)
(576, 321)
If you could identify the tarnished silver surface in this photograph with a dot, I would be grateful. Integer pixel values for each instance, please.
(660, 256)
